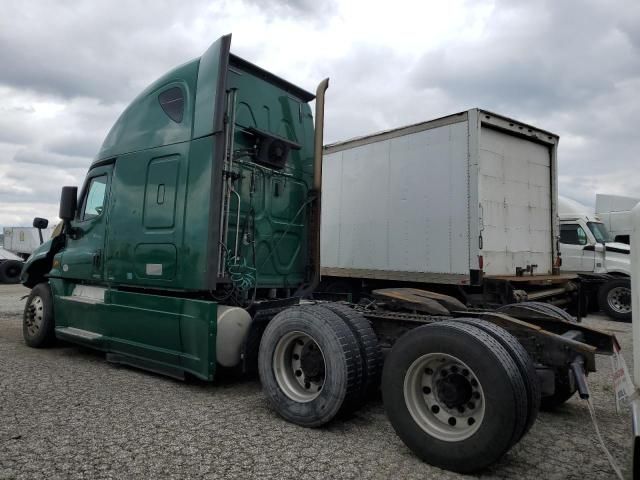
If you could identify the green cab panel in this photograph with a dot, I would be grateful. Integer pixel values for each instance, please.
(145, 124)
(155, 261)
(163, 176)
(157, 332)
(273, 202)
(215, 145)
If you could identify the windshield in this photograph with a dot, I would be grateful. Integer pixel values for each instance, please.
(599, 231)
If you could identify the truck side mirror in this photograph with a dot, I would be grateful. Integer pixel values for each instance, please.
(40, 223)
(68, 203)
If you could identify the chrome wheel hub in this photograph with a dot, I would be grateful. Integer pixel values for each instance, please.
(444, 397)
(619, 299)
(34, 315)
(299, 366)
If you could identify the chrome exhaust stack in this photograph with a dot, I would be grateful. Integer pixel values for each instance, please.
(317, 183)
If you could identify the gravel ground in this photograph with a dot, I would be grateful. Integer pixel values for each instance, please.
(67, 413)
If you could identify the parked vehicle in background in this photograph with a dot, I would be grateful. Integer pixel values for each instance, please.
(19, 244)
(10, 267)
(615, 212)
(604, 266)
(24, 240)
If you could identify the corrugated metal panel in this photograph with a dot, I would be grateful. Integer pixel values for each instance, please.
(516, 203)
(399, 204)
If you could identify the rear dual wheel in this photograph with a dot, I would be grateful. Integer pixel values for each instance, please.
(455, 395)
(316, 361)
(564, 384)
(545, 309)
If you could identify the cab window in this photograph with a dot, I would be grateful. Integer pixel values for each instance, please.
(94, 201)
(572, 234)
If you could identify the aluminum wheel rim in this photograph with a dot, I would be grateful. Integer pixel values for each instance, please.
(619, 299)
(35, 314)
(297, 379)
(428, 385)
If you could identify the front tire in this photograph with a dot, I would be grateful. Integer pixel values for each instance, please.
(614, 299)
(37, 319)
(454, 396)
(310, 365)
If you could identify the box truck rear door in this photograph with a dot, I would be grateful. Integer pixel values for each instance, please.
(515, 197)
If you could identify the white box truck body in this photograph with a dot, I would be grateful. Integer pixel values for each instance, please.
(442, 201)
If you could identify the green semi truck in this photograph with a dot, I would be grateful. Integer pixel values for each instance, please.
(193, 246)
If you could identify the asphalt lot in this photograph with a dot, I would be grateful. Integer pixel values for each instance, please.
(67, 413)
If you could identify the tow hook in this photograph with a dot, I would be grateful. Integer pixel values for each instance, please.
(577, 366)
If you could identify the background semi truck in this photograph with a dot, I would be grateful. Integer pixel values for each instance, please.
(10, 266)
(194, 245)
(615, 213)
(603, 265)
(18, 244)
(465, 204)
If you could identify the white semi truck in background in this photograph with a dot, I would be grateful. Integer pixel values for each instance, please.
(604, 266)
(615, 213)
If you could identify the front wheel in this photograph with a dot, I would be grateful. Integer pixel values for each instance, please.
(614, 299)
(37, 319)
(454, 396)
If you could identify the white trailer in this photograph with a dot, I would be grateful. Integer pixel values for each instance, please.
(615, 213)
(24, 240)
(467, 199)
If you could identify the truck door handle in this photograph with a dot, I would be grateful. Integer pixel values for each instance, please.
(97, 258)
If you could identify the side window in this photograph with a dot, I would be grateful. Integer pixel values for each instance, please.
(94, 201)
(573, 234)
(172, 103)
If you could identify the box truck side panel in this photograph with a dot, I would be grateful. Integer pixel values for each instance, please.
(398, 204)
(355, 208)
(516, 203)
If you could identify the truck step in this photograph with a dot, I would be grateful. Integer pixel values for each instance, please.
(78, 333)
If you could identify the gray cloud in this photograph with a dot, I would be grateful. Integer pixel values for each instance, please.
(75, 145)
(87, 51)
(38, 157)
(570, 67)
(315, 10)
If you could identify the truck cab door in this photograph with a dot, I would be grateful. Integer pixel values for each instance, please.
(574, 244)
(83, 256)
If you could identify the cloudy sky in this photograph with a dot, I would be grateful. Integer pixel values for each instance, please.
(68, 68)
